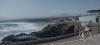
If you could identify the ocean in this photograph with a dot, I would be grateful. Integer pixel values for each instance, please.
(13, 28)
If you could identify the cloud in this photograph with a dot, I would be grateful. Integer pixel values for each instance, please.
(17, 9)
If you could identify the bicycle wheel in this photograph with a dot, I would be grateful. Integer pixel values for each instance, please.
(85, 35)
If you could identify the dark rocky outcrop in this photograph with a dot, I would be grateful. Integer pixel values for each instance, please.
(19, 37)
(9, 38)
(60, 28)
(51, 30)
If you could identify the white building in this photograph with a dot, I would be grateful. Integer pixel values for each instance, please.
(92, 15)
(93, 12)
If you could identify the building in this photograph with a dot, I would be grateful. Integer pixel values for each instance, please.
(93, 12)
(92, 15)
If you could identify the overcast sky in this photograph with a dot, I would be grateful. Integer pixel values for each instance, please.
(16, 9)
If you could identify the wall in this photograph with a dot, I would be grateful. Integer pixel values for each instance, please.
(87, 18)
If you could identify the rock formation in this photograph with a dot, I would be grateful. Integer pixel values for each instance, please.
(51, 30)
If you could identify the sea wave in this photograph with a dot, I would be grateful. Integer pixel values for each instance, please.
(9, 28)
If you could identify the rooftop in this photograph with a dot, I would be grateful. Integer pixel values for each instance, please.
(93, 11)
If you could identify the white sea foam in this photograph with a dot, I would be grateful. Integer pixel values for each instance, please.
(9, 28)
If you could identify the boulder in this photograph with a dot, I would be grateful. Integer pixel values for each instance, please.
(19, 37)
(60, 28)
(9, 38)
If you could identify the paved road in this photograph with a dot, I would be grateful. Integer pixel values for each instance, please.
(95, 40)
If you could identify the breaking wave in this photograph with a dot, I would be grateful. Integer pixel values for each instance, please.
(8, 28)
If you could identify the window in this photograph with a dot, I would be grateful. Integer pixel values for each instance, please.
(97, 19)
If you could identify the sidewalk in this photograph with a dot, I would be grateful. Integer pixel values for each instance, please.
(95, 40)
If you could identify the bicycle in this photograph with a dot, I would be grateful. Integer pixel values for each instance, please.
(85, 33)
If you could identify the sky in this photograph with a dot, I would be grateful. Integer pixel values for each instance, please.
(19, 9)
